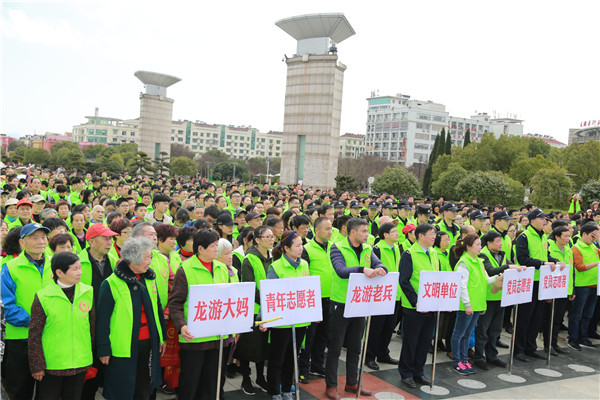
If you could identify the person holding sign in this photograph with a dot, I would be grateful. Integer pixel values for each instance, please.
(532, 251)
(489, 325)
(473, 293)
(347, 257)
(199, 355)
(418, 326)
(131, 325)
(586, 258)
(382, 326)
(280, 372)
(559, 248)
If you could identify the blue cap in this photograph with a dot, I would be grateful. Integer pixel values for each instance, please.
(30, 228)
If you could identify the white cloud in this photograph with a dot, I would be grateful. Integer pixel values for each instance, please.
(59, 33)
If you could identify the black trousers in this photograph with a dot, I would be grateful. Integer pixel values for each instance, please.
(488, 330)
(560, 307)
(53, 387)
(245, 368)
(315, 342)
(529, 322)
(343, 330)
(198, 376)
(593, 326)
(418, 330)
(447, 321)
(16, 375)
(380, 334)
(280, 371)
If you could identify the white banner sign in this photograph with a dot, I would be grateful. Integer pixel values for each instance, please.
(439, 291)
(220, 309)
(517, 286)
(554, 285)
(297, 300)
(371, 296)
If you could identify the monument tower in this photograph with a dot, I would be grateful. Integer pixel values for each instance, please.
(313, 99)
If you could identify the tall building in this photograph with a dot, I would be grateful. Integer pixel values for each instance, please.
(313, 99)
(588, 130)
(352, 145)
(156, 113)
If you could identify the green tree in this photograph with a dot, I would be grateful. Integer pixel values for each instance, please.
(36, 156)
(17, 154)
(441, 150)
(448, 148)
(162, 163)
(489, 187)
(64, 145)
(66, 156)
(93, 151)
(467, 138)
(111, 164)
(446, 185)
(583, 161)
(224, 170)
(590, 192)
(432, 158)
(141, 164)
(15, 143)
(397, 181)
(179, 150)
(345, 182)
(441, 164)
(183, 166)
(257, 165)
(551, 188)
(524, 169)
(538, 146)
(126, 147)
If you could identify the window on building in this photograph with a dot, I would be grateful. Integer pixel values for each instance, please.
(180, 132)
(132, 133)
(194, 133)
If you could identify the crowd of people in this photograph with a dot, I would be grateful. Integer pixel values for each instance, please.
(96, 271)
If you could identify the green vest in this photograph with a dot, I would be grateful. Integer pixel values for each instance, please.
(406, 245)
(420, 262)
(121, 320)
(390, 257)
(160, 265)
(590, 255)
(566, 256)
(538, 248)
(67, 323)
(259, 275)
(76, 246)
(320, 264)
(444, 228)
(399, 227)
(506, 243)
(284, 269)
(339, 285)
(86, 266)
(444, 259)
(198, 274)
(477, 285)
(28, 280)
(336, 236)
(493, 296)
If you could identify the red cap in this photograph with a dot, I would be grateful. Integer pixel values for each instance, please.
(406, 229)
(99, 230)
(24, 201)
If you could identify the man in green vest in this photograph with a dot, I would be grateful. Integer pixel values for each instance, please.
(373, 211)
(22, 277)
(501, 223)
(586, 258)
(489, 325)
(477, 220)
(403, 219)
(532, 251)
(418, 327)
(382, 326)
(347, 257)
(447, 223)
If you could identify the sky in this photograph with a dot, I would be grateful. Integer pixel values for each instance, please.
(537, 60)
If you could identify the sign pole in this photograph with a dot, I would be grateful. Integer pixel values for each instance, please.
(219, 368)
(512, 339)
(437, 328)
(295, 362)
(550, 335)
(363, 356)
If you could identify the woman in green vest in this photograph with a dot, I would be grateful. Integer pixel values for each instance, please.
(245, 239)
(254, 269)
(130, 325)
(62, 312)
(11, 248)
(61, 243)
(122, 227)
(473, 292)
(280, 372)
(78, 231)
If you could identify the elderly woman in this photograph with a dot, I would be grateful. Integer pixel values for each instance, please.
(98, 214)
(130, 325)
(62, 312)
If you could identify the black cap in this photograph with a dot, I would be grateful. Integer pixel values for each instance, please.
(424, 209)
(502, 215)
(252, 215)
(374, 205)
(238, 212)
(405, 205)
(537, 213)
(312, 205)
(339, 204)
(355, 204)
(477, 214)
(449, 207)
(225, 219)
(388, 205)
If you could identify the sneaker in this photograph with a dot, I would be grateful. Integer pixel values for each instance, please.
(302, 378)
(248, 387)
(461, 369)
(317, 371)
(587, 344)
(574, 345)
(287, 396)
(470, 369)
(276, 397)
(262, 383)
(166, 389)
